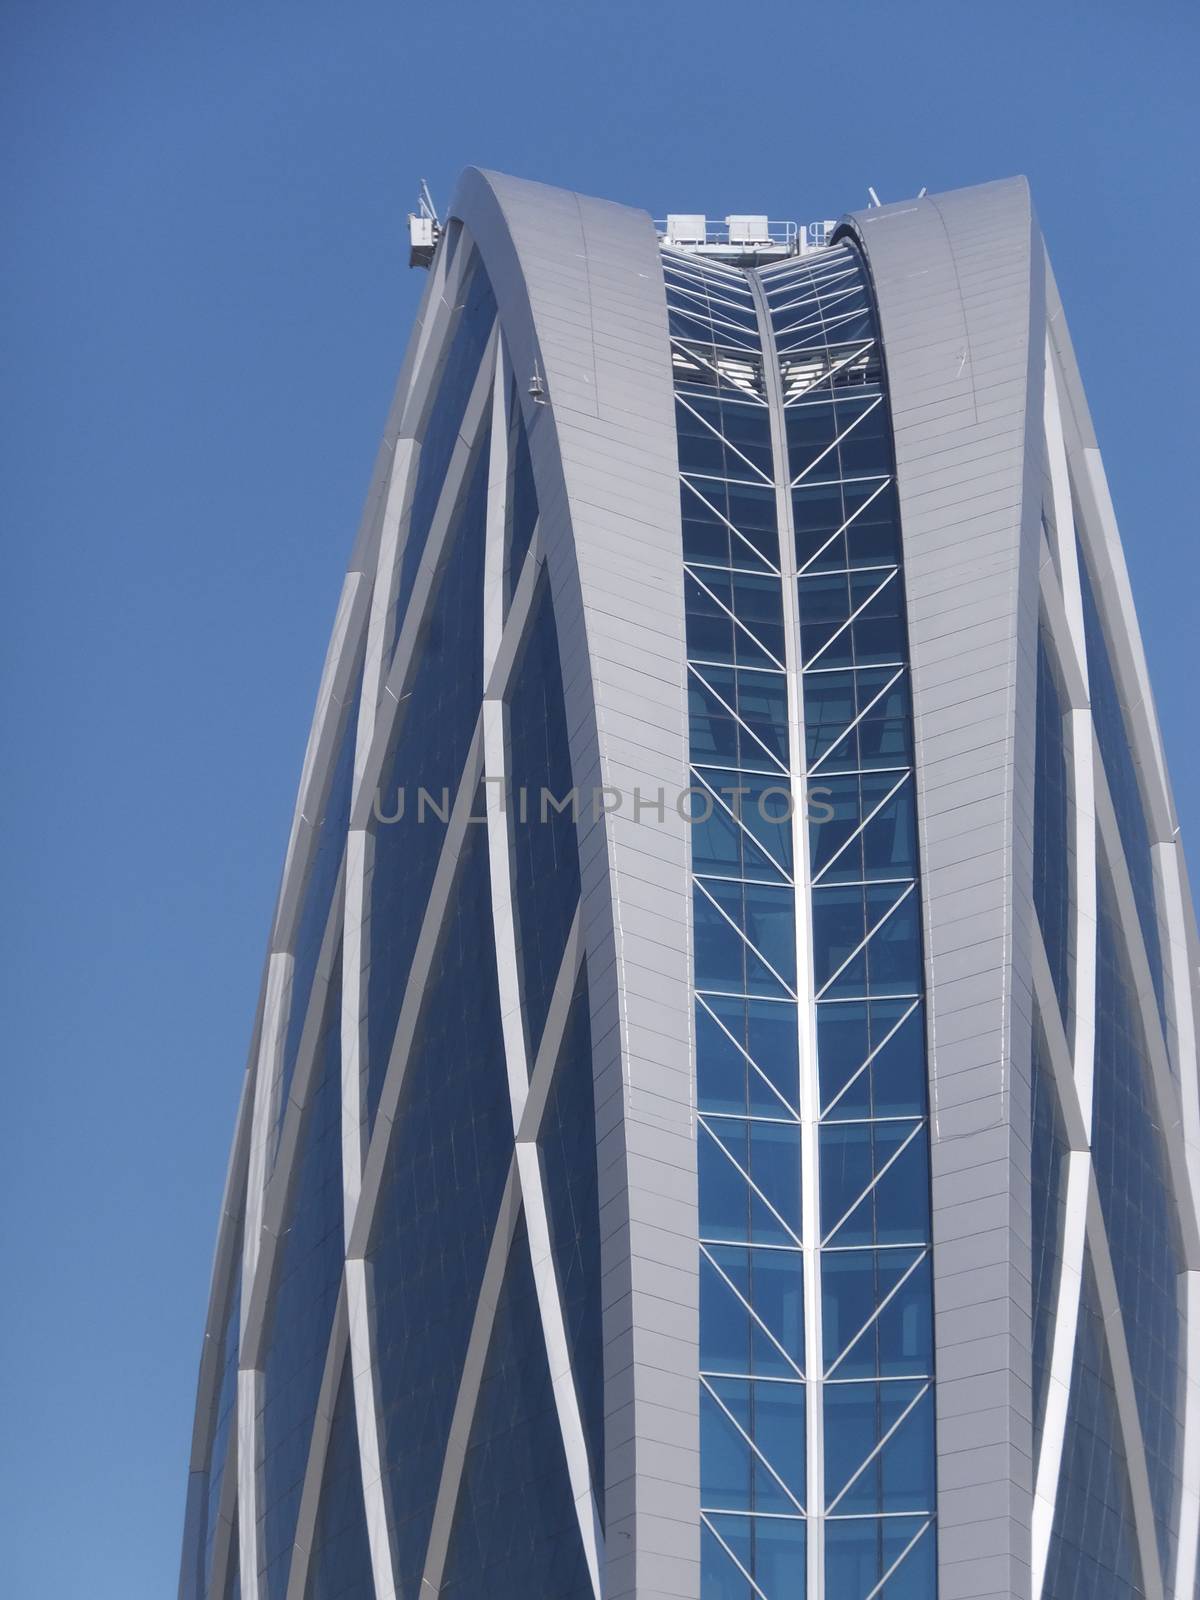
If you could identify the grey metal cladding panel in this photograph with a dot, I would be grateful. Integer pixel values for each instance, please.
(581, 300)
(959, 283)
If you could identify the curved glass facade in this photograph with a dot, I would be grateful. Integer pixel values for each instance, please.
(1120, 768)
(1093, 1547)
(317, 902)
(446, 1167)
(545, 854)
(1139, 1215)
(437, 718)
(515, 1532)
(470, 323)
(596, 1145)
(341, 1554)
(819, 1176)
(305, 1295)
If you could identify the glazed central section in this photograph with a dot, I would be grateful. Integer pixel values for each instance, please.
(817, 1442)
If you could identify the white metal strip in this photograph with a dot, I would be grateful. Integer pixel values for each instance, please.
(806, 1011)
(366, 1412)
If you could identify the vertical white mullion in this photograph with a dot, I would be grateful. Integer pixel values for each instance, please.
(806, 1012)
(366, 1415)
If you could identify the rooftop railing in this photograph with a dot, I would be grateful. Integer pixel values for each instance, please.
(743, 235)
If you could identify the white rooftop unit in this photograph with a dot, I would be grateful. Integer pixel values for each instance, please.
(748, 230)
(684, 228)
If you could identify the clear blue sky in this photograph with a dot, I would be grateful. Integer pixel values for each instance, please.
(205, 303)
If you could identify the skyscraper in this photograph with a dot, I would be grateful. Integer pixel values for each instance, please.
(722, 1120)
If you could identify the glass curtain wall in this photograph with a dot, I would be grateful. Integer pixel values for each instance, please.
(817, 1446)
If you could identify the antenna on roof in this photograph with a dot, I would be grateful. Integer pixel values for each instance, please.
(922, 191)
(424, 229)
(875, 200)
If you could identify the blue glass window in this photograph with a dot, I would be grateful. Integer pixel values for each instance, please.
(751, 1311)
(866, 940)
(770, 1547)
(460, 366)
(874, 1183)
(873, 1145)
(233, 1577)
(443, 1178)
(872, 832)
(738, 718)
(318, 894)
(308, 1276)
(522, 496)
(735, 618)
(879, 1448)
(877, 1313)
(841, 525)
(730, 524)
(860, 1552)
(515, 1533)
(747, 1056)
(438, 720)
(1053, 851)
(745, 937)
(1093, 1544)
(752, 1454)
(340, 1564)
(1116, 748)
(871, 1056)
(1130, 1162)
(856, 720)
(545, 850)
